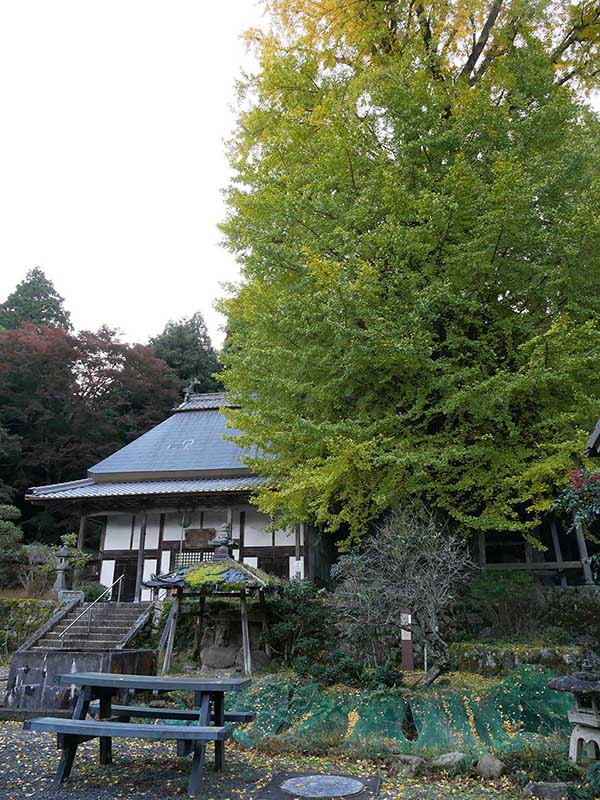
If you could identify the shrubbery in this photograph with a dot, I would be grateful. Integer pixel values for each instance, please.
(303, 634)
(543, 761)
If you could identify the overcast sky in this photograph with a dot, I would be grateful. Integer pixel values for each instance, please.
(112, 159)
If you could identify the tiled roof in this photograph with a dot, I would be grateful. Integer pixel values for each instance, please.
(78, 490)
(204, 402)
(193, 442)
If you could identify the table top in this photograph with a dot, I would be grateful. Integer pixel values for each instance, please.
(150, 683)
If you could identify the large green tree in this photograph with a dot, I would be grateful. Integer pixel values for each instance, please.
(186, 347)
(416, 208)
(34, 301)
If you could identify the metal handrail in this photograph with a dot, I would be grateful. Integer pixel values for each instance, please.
(90, 607)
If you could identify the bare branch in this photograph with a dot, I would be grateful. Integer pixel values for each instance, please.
(481, 42)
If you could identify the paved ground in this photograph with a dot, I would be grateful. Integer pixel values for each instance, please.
(151, 771)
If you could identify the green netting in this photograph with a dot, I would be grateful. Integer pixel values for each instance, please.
(512, 712)
(270, 700)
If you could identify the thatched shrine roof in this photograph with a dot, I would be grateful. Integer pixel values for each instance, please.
(215, 577)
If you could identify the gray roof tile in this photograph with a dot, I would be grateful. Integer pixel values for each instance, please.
(76, 490)
(199, 402)
(185, 442)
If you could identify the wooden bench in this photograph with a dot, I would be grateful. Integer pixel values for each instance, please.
(148, 712)
(71, 732)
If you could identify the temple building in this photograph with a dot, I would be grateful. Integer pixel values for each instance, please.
(161, 499)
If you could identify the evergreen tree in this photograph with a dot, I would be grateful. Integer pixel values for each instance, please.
(36, 301)
(416, 208)
(186, 347)
(12, 552)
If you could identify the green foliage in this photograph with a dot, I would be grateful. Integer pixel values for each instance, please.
(542, 761)
(580, 500)
(489, 587)
(511, 604)
(20, 618)
(34, 301)
(38, 570)
(186, 347)
(79, 558)
(592, 779)
(303, 623)
(303, 633)
(12, 552)
(92, 590)
(420, 246)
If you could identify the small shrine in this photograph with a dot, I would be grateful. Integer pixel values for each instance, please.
(222, 576)
(584, 745)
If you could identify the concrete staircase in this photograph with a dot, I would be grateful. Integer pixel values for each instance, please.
(113, 625)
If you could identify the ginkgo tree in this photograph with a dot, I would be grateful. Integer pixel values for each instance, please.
(416, 210)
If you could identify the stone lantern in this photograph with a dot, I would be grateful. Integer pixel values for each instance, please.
(222, 543)
(585, 686)
(63, 558)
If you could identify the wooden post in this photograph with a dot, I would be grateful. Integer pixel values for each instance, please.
(298, 569)
(408, 655)
(557, 551)
(172, 630)
(583, 554)
(245, 635)
(81, 534)
(139, 577)
(165, 632)
(242, 536)
(265, 622)
(198, 624)
(230, 521)
(481, 548)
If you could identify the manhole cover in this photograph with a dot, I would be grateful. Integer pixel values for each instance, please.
(322, 786)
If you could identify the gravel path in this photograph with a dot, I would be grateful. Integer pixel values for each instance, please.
(150, 771)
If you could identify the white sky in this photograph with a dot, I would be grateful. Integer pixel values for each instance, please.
(113, 117)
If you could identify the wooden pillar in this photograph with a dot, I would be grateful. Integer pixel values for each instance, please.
(81, 534)
(557, 551)
(242, 536)
(198, 627)
(230, 521)
(245, 635)
(172, 631)
(481, 549)
(139, 576)
(298, 569)
(583, 554)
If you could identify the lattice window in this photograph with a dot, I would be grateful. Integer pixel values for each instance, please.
(187, 558)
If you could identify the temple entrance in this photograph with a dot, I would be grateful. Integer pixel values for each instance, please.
(126, 567)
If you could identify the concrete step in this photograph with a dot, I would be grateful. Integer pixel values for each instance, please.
(82, 630)
(97, 647)
(94, 634)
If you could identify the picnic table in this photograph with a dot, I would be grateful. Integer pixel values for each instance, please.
(96, 693)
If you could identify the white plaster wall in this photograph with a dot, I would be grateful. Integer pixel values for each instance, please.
(252, 561)
(255, 534)
(118, 532)
(107, 571)
(296, 568)
(149, 570)
(172, 531)
(152, 530)
(287, 538)
(165, 563)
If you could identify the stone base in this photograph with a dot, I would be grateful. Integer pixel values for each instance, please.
(584, 738)
(31, 678)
